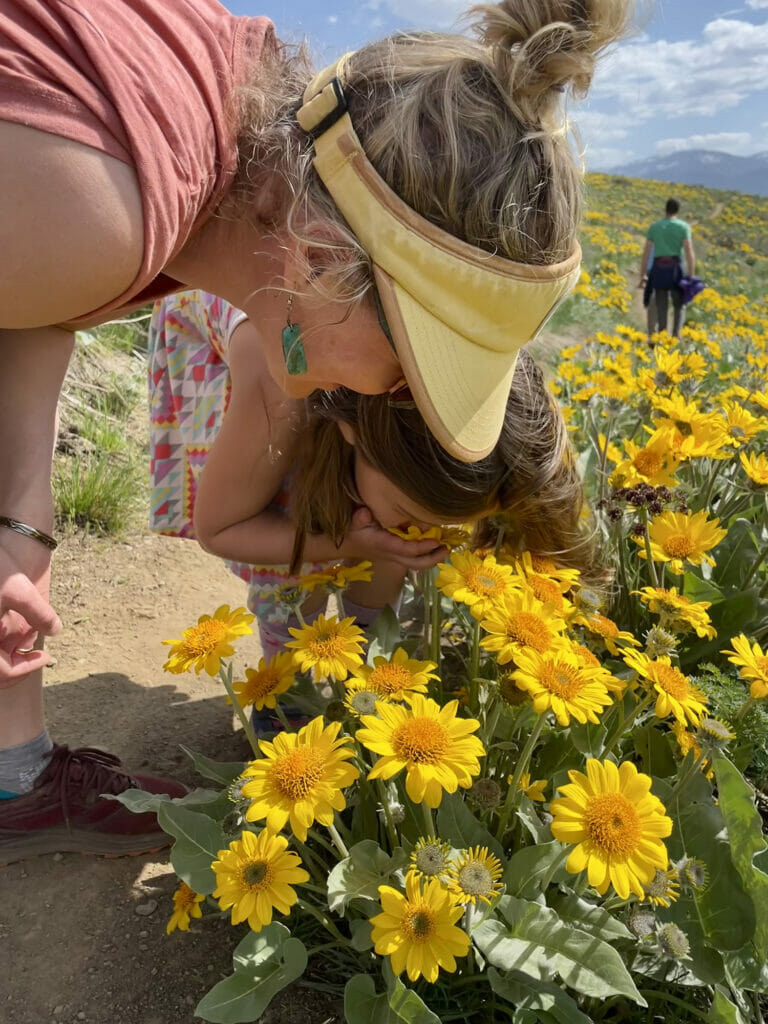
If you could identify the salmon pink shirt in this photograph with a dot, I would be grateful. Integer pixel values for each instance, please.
(149, 82)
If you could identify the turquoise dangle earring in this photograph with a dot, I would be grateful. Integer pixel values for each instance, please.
(293, 347)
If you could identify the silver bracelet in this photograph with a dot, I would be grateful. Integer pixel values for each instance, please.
(29, 531)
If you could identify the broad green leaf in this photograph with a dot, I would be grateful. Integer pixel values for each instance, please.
(360, 874)
(533, 939)
(588, 917)
(745, 833)
(399, 1006)
(244, 996)
(745, 971)
(139, 801)
(527, 868)
(457, 825)
(655, 752)
(198, 841)
(384, 634)
(723, 1011)
(724, 909)
(222, 772)
(256, 947)
(361, 935)
(550, 1002)
(589, 738)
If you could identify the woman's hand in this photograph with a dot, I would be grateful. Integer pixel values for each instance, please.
(25, 612)
(366, 539)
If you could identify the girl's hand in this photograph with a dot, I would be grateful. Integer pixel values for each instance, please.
(367, 540)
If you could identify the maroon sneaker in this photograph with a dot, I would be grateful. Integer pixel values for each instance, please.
(64, 813)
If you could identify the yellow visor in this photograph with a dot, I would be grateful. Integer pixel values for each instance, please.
(458, 315)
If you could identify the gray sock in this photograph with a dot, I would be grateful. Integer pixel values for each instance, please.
(20, 766)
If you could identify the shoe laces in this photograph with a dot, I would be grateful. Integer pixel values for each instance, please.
(88, 770)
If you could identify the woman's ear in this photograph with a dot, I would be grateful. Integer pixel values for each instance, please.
(347, 432)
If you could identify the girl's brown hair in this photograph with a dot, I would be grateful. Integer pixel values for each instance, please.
(530, 476)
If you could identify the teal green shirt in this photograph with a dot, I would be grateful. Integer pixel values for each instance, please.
(668, 235)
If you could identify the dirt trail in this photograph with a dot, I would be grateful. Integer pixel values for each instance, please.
(79, 936)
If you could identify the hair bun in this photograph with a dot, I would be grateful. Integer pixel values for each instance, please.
(540, 47)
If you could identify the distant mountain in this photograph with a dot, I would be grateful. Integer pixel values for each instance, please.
(704, 167)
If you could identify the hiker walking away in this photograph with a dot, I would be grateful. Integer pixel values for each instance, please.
(667, 238)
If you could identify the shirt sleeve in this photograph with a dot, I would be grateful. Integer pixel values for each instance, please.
(651, 236)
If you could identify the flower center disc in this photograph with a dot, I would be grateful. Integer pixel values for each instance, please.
(423, 740)
(257, 875)
(678, 546)
(475, 879)
(262, 683)
(527, 628)
(388, 679)
(482, 581)
(417, 922)
(546, 590)
(647, 463)
(672, 681)
(296, 772)
(326, 645)
(612, 823)
(205, 636)
(562, 680)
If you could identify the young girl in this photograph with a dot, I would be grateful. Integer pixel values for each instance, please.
(275, 482)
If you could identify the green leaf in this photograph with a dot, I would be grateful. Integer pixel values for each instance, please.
(457, 825)
(552, 1005)
(140, 802)
(745, 971)
(589, 917)
(361, 935)
(655, 752)
(384, 634)
(527, 868)
(223, 772)
(723, 909)
(198, 841)
(736, 803)
(360, 874)
(534, 940)
(399, 1006)
(723, 1011)
(589, 738)
(244, 996)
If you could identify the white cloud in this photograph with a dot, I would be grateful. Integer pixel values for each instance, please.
(690, 77)
(738, 143)
(757, 5)
(332, 19)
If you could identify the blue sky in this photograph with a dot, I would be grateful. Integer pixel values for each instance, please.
(694, 75)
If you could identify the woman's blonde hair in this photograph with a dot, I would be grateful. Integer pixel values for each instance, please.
(468, 130)
(530, 479)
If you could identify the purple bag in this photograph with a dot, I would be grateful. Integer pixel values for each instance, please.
(690, 287)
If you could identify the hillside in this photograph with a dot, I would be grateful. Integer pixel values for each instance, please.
(705, 167)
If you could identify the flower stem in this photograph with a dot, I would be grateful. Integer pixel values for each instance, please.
(474, 666)
(389, 820)
(435, 623)
(761, 556)
(225, 675)
(280, 714)
(744, 708)
(683, 781)
(338, 842)
(340, 605)
(324, 920)
(522, 766)
(429, 824)
(649, 554)
(624, 724)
